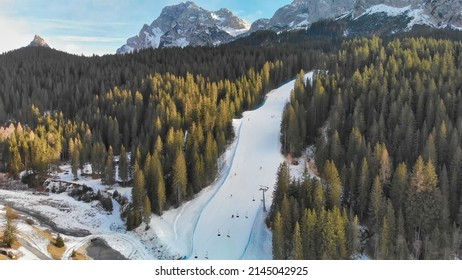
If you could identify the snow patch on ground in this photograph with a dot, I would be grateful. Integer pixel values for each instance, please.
(233, 32)
(181, 42)
(419, 17)
(154, 39)
(390, 11)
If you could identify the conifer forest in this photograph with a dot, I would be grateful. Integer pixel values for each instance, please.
(382, 117)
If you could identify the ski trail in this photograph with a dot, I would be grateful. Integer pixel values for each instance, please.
(200, 228)
(223, 179)
(254, 164)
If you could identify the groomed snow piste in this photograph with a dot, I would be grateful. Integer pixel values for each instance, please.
(226, 220)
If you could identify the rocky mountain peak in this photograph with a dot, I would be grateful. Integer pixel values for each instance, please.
(38, 42)
(187, 24)
(301, 13)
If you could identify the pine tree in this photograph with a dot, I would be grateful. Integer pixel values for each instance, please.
(282, 185)
(353, 235)
(334, 183)
(384, 240)
(340, 234)
(377, 205)
(109, 171)
(298, 244)
(59, 242)
(278, 238)
(211, 156)
(319, 200)
(75, 157)
(288, 225)
(123, 166)
(399, 186)
(329, 238)
(180, 178)
(161, 195)
(15, 163)
(385, 166)
(402, 252)
(424, 202)
(138, 197)
(147, 210)
(98, 157)
(363, 188)
(9, 234)
(309, 237)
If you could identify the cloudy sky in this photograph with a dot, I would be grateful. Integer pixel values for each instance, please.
(100, 26)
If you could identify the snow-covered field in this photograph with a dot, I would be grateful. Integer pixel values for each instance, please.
(224, 221)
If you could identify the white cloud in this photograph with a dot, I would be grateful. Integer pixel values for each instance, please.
(93, 39)
(19, 32)
(14, 33)
(83, 45)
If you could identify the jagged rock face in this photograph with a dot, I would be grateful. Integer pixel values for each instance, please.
(259, 24)
(187, 24)
(302, 13)
(38, 42)
(445, 12)
(440, 13)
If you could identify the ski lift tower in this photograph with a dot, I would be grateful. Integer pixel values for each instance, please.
(263, 189)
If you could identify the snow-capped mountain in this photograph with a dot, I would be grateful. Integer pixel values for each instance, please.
(301, 13)
(38, 42)
(187, 24)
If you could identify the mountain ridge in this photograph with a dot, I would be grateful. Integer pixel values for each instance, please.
(187, 24)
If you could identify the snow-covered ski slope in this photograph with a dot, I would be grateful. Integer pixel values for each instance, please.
(225, 219)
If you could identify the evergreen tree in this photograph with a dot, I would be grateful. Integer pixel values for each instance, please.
(363, 189)
(402, 252)
(180, 179)
(278, 238)
(138, 191)
(399, 186)
(109, 171)
(334, 183)
(353, 236)
(59, 242)
(309, 238)
(75, 157)
(123, 166)
(15, 163)
(377, 205)
(319, 199)
(298, 244)
(9, 234)
(147, 210)
(211, 156)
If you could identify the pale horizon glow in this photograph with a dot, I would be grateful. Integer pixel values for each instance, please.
(89, 27)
